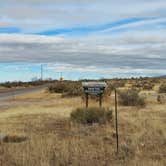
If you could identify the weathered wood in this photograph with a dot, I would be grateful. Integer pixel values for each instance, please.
(87, 98)
(100, 100)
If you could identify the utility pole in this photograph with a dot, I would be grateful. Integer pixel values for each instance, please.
(41, 72)
(61, 77)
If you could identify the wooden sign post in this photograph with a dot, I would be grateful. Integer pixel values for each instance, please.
(94, 88)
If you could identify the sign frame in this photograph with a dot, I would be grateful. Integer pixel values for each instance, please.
(94, 88)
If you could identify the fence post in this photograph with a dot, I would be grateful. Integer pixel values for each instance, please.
(116, 122)
(87, 97)
(100, 100)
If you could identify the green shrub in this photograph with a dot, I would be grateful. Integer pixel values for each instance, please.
(130, 97)
(162, 88)
(91, 115)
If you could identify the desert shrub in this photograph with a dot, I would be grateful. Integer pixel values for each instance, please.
(117, 84)
(162, 88)
(137, 85)
(91, 115)
(58, 87)
(14, 139)
(24, 84)
(110, 87)
(160, 99)
(145, 85)
(148, 86)
(130, 97)
(155, 80)
(67, 89)
(73, 89)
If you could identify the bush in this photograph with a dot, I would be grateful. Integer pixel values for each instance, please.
(25, 84)
(137, 85)
(14, 139)
(162, 88)
(109, 89)
(73, 89)
(116, 84)
(145, 85)
(131, 97)
(91, 115)
(59, 87)
(67, 89)
(148, 86)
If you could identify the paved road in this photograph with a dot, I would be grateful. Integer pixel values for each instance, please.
(14, 92)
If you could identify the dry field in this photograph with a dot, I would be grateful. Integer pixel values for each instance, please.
(35, 130)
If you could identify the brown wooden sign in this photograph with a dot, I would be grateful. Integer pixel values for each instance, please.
(94, 88)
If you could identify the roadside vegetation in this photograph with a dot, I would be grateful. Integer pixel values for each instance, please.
(91, 115)
(162, 88)
(16, 84)
(47, 129)
(130, 97)
(67, 89)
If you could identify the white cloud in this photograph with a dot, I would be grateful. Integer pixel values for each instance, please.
(23, 39)
(132, 53)
(35, 15)
(93, 69)
(139, 49)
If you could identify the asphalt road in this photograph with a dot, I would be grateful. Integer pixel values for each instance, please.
(5, 94)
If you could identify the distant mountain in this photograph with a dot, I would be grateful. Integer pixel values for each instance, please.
(164, 76)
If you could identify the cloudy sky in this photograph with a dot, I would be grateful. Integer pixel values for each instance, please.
(82, 38)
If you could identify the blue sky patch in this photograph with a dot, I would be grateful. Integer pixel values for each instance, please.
(10, 30)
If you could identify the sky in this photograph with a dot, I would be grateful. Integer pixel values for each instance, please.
(82, 38)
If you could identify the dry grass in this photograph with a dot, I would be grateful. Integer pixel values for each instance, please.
(52, 140)
(3, 88)
(42, 94)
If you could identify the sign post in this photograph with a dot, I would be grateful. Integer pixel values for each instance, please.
(116, 122)
(94, 88)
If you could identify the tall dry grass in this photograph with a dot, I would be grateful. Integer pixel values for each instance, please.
(52, 140)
